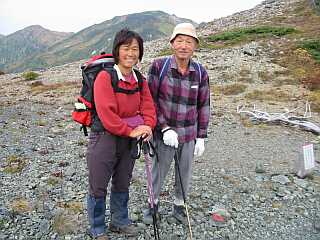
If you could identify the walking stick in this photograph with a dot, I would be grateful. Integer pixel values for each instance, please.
(183, 193)
(148, 153)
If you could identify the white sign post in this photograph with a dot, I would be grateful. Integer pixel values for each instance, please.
(307, 164)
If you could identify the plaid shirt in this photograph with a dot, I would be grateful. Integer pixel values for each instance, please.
(183, 101)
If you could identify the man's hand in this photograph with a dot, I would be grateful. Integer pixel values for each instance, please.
(199, 147)
(170, 137)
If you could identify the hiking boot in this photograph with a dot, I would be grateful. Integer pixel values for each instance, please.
(129, 230)
(179, 213)
(100, 237)
(147, 214)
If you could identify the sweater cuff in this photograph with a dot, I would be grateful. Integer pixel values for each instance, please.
(128, 131)
(202, 133)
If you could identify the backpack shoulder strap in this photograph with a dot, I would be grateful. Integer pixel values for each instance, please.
(140, 78)
(166, 65)
(114, 78)
(115, 81)
(198, 69)
(164, 69)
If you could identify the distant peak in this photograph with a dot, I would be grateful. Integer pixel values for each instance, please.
(34, 27)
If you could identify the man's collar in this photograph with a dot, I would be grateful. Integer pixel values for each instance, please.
(120, 76)
(175, 66)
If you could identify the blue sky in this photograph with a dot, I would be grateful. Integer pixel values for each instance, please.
(75, 15)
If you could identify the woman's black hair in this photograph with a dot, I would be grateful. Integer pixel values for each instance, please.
(125, 36)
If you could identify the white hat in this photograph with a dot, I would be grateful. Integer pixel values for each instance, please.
(184, 29)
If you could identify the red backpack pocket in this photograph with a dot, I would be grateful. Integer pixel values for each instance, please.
(82, 114)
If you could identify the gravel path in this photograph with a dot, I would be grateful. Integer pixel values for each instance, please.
(247, 171)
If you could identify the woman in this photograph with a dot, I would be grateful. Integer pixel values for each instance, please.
(123, 117)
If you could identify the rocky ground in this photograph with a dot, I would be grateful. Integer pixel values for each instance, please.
(247, 173)
(247, 169)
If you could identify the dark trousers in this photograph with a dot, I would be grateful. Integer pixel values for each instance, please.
(109, 156)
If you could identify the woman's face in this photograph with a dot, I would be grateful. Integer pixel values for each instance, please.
(129, 54)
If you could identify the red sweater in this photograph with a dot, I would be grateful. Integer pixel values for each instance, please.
(111, 106)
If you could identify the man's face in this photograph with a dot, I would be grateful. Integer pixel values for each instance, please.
(183, 47)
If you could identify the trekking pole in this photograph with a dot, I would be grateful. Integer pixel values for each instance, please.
(147, 154)
(135, 153)
(183, 193)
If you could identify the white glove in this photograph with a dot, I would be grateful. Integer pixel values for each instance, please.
(199, 147)
(170, 137)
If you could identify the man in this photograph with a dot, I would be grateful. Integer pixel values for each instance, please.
(180, 89)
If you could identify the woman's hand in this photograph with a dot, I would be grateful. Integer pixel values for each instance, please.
(143, 131)
(147, 132)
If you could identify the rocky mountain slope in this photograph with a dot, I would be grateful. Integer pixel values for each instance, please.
(247, 172)
(99, 37)
(27, 42)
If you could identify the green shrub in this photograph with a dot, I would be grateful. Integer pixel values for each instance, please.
(29, 76)
(251, 33)
(2, 73)
(205, 44)
(313, 47)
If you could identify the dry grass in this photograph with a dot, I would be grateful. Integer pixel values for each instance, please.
(299, 61)
(20, 206)
(246, 122)
(244, 75)
(245, 79)
(265, 76)
(41, 122)
(313, 82)
(244, 71)
(277, 77)
(14, 164)
(315, 100)
(53, 181)
(82, 142)
(231, 89)
(64, 222)
(56, 87)
(73, 206)
(286, 81)
(268, 95)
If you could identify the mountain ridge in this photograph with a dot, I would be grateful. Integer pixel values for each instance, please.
(26, 42)
(96, 38)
